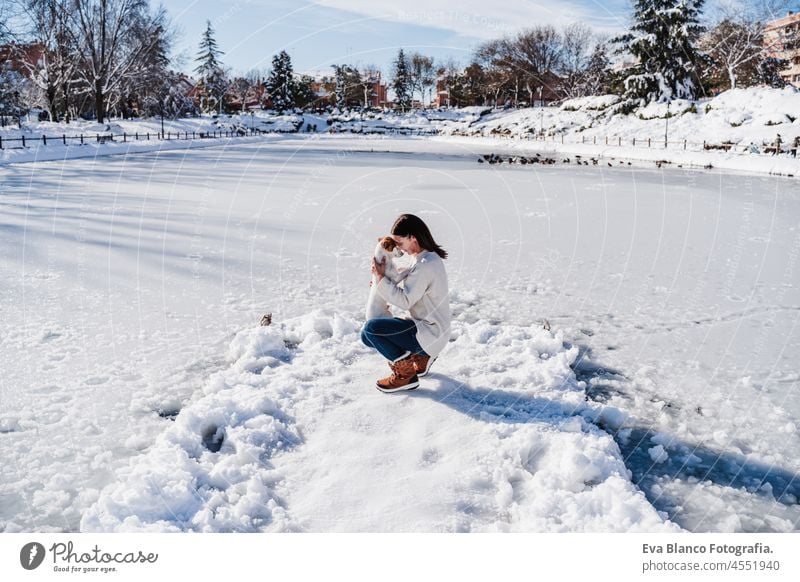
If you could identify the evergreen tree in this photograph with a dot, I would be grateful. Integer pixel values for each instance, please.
(401, 82)
(213, 82)
(663, 39)
(304, 92)
(281, 84)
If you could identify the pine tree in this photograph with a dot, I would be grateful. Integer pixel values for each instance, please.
(213, 82)
(663, 39)
(304, 91)
(401, 82)
(280, 84)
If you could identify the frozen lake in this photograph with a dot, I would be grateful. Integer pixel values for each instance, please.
(125, 279)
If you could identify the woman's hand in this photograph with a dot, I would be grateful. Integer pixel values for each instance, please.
(378, 269)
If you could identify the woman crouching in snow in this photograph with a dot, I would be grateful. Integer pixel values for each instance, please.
(411, 344)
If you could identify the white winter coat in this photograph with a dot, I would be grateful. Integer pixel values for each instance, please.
(426, 297)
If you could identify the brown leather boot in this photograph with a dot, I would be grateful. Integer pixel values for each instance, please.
(404, 377)
(422, 364)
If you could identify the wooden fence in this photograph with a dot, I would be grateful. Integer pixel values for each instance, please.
(81, 139)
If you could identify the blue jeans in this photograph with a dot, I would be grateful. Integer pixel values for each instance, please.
(394, 338)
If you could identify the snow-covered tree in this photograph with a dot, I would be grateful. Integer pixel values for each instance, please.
(735, 48)
(213, 80)
(401, 81)
(737, 43)
(369, 75)
(348, 86)
(49, 59)
(663, 39)
(281, 84)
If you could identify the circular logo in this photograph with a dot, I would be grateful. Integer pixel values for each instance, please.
(31, 556)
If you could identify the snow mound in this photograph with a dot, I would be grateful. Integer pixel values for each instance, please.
(592, 103)
(292, 437)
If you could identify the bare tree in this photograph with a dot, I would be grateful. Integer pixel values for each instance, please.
(536, 55)
(113, 38)
(497, 66)
(242, 89)
(576, 52)
(422, 74)
(5, 15)
(448, 74)
(736, 41)
(369, 75)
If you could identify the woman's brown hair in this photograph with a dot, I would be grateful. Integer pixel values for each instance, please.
(410, 225)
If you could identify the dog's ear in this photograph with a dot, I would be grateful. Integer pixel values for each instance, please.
(388, 243)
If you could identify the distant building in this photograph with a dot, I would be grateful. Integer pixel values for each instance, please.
(782, 41)
(19, 57)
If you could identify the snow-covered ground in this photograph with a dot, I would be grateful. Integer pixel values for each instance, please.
(139, 392)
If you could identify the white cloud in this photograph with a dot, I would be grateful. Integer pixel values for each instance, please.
(478, 18)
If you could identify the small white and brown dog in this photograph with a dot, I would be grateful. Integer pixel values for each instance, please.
(386, 249)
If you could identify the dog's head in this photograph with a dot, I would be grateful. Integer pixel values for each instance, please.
(387, 243)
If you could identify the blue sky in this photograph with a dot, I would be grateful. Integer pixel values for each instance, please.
(319, 34)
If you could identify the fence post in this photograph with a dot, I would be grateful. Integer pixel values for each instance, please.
(684, 144)
(23, 140)
(606, 140)
(620, 142)
(124, 136)
(648, 142)
(64, 138)
(1, 142)
(44, 139)
(148, 136)
(704, 145)
(583, 139)
(595, 140)
(98, 138)
(634, 142)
